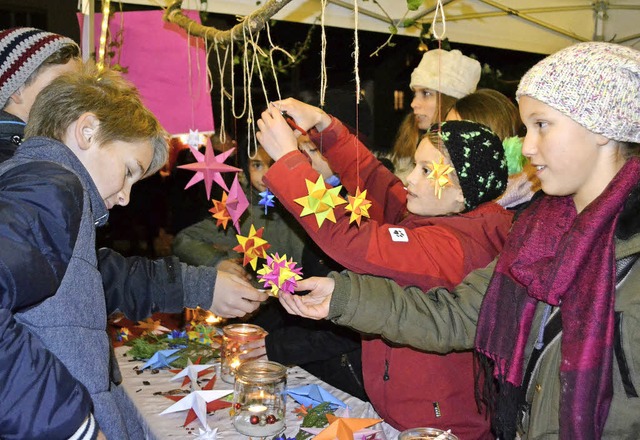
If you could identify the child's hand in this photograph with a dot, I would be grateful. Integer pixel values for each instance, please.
(275, 135)
(234, 267)
(315, 304)
(305, 116)
(234, 296)
(253, 350)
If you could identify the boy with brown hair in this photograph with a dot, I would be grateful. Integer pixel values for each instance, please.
(88, 140)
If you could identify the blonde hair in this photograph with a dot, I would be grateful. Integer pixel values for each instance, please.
(493, 109)
(113, 100)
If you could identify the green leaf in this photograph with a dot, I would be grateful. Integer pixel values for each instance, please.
(413, 5)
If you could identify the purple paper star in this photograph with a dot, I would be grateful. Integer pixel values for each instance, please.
(208, 168)
(237, 203)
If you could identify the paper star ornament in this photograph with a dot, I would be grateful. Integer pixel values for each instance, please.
(314, 395)
(149, 326)
(237, 202)
(193, 139)
(162, 358)
(210, 434)
(192, 372)
(208, 167)
(342, 428)
(123, 334)
(220, 212)
(358, 206)
(253, 246)
(320, 201)
(199, 403)
(279, 274)
(266, 200)
(440, 175)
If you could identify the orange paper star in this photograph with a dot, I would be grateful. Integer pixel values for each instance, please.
(220, 212)
(344, 428)
(359, 206)
(320, 201)
(253, 246)
(440, 174)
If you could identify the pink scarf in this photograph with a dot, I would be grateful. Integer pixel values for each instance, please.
(563, 259)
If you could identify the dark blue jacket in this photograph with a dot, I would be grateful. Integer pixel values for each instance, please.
(54, 352)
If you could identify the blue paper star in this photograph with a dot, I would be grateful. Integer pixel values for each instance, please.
(162, 358)
(266, 200)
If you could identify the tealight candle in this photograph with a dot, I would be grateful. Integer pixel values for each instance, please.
(233, 337)
(259, 398)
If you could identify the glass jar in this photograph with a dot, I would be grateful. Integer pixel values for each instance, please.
(259, 398)
(233, 337)
(426, 434)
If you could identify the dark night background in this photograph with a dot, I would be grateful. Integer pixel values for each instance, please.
(380, 75)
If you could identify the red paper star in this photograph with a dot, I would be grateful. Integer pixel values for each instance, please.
(253, 246)
(208, 168)
(220, 212)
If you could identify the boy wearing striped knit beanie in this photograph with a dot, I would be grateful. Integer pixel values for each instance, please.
(29, 60)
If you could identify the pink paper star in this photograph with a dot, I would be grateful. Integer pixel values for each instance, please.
(237, 203)
(279, 274)
(208, 168)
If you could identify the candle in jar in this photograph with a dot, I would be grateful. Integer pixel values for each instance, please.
(257, 408)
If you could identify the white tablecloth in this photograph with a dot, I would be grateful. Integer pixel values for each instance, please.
(169, 426)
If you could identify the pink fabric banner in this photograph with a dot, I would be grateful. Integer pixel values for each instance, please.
(170, 74)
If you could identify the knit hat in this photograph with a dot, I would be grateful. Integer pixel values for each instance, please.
(447, 72)
(478, 158)
(22, 51)
(595, 84)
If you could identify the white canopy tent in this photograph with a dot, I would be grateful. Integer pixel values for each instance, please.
(539, 26)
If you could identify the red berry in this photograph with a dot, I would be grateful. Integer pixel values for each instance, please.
(254, 420)
(271, 419)
(237, 405)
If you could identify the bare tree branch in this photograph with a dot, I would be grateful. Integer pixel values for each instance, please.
(253, 22)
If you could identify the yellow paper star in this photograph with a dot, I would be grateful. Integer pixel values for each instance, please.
(440, 174)
(320, 201)
(220, 212)
(359, 206)
(253, 246)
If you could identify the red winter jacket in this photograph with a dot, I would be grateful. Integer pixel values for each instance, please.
(407, 387)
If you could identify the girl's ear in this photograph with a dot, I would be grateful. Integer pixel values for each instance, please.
(86, 129)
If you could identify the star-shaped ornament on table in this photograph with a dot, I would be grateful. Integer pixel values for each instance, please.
(279, 274)
(199, 403)
(237, 203)
(149, 326)
(161, 358)
(253, 246)
(266, 200)
(320, 201)
(220, 212)
(209, 168)
(343, 428)
(191, 372)
(440, 175)
(209, 434)
(359, 206)
(123, 334)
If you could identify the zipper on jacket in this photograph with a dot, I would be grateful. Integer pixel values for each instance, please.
(385, 376)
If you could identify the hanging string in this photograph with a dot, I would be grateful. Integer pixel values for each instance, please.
(440, 9)
(273, 67)
(223, 92)
(356, 54)
(323, 55)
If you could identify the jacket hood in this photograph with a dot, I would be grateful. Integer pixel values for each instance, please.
(46, 149)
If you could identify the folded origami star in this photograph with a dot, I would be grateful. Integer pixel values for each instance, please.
(199, 403)
(343, 428)
(162, 358)
(192, 372)
(314, 395)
